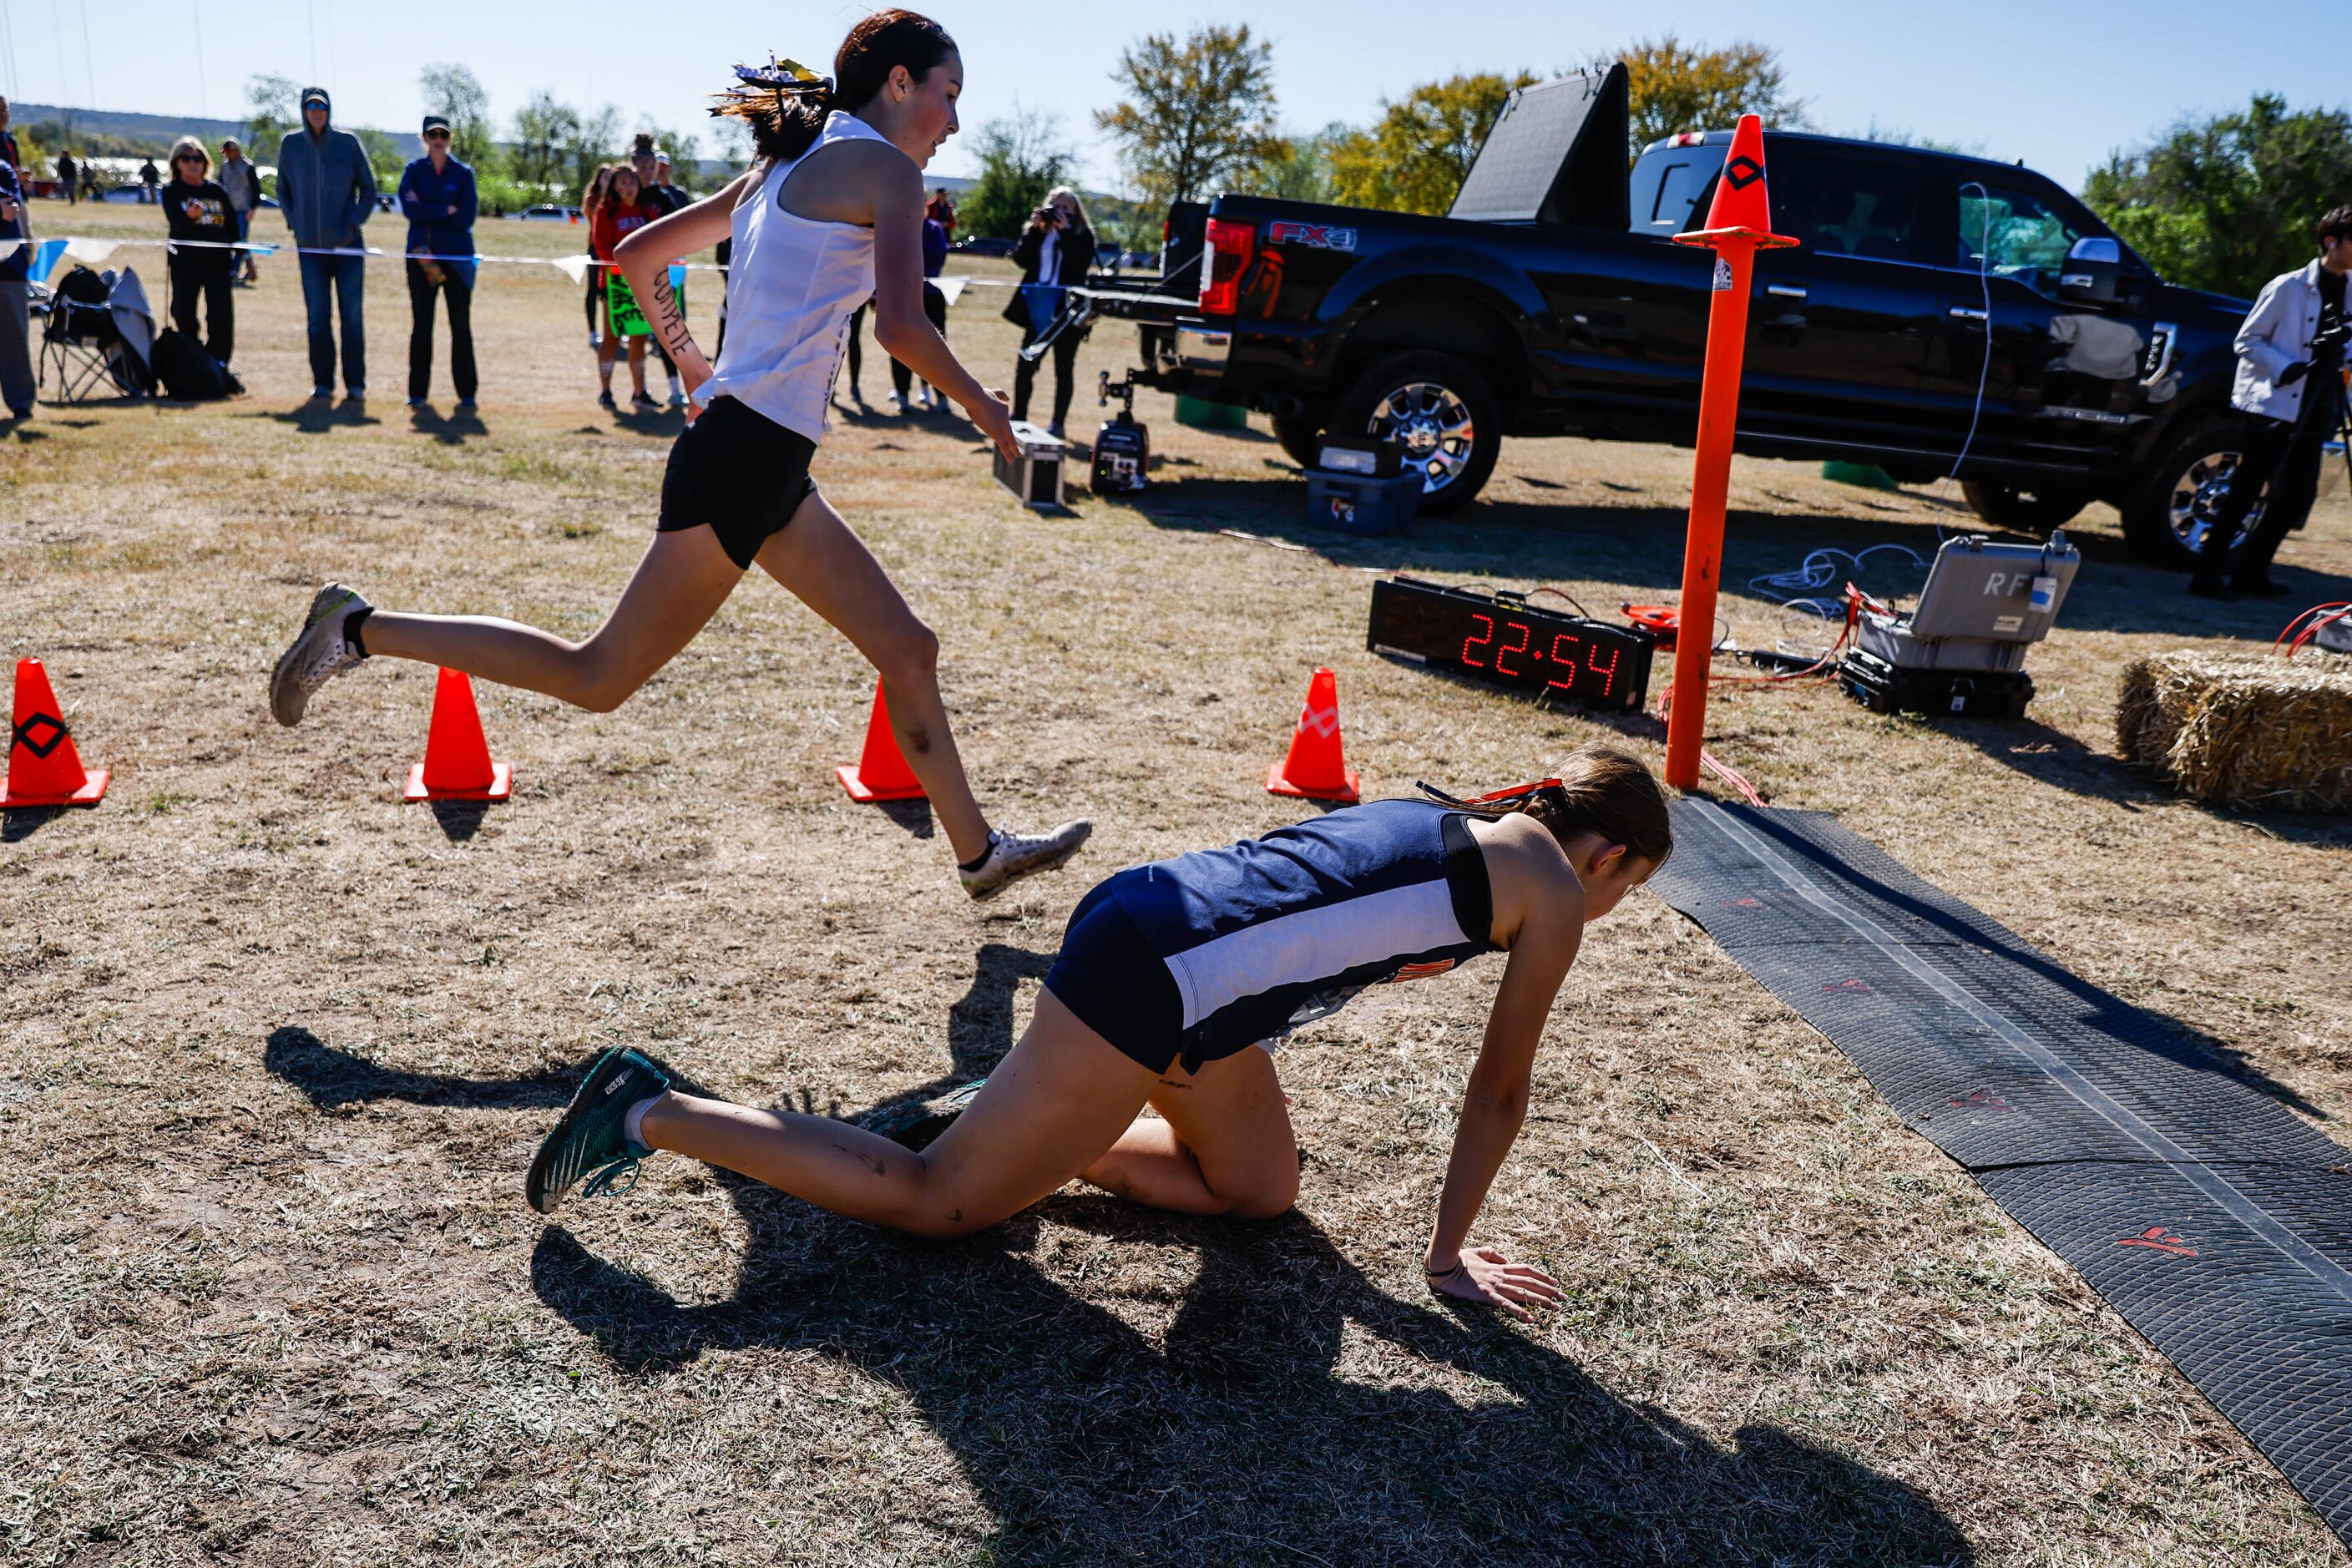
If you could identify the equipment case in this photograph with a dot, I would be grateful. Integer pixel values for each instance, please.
(1362, 505)
(1035, 479)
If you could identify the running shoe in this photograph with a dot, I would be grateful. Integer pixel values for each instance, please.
(605, 401)
(919, 1125)
(465, 405)
(317, 655)
(1012, 855)
(897, 403)
(590, 1141)
(645, 404)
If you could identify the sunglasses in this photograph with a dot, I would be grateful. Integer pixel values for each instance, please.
(188, 158)
(436, 136)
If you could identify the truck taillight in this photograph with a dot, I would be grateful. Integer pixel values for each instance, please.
(1230, 247)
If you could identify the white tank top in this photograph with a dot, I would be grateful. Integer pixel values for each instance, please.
(793, 284)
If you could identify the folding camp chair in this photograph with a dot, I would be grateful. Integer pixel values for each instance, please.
(83, 341)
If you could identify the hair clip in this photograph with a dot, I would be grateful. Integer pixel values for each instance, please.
(782, 76)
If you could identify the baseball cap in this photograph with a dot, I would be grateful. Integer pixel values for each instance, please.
(434, 123)
(317, 95)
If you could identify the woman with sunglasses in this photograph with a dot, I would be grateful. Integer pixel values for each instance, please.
(437, 193)
(1168, 975)
(196, 209)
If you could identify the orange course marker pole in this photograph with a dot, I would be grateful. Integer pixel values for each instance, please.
(1738, 225)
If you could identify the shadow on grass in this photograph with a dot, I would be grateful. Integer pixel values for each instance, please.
(315, 418)
(1236, 1437)
(19, 823)
(459, 819)
(453, 430)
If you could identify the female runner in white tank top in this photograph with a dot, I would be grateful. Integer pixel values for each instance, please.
(830, 215)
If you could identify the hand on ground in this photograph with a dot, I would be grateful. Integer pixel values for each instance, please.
(1485, 1275)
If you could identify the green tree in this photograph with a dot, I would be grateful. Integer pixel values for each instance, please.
(2228, 202)
(457, 95)
(684, 154)
(1304, 171)
(1672, 86)
(544, 133)
(1417, 153)
(382, 156)
(1022, 157)
(272, 108)
(595, 140)
(1198, 116)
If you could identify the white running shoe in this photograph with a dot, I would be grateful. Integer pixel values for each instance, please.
(897, 403)
(1013, 855)
(317, 656)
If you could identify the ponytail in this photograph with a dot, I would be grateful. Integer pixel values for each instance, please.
(785, 103)
(1599, 790)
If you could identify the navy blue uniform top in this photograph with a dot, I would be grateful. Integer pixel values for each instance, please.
(1265, 935)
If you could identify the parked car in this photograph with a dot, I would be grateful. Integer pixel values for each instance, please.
(981, 245)
(547, 212)
(1552, 301)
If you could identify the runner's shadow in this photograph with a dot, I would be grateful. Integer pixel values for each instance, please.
(1260, 1415)
(331, 1078)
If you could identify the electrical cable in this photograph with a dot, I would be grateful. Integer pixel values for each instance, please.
(2310, 621)
(1984, 288)
(1561, 593)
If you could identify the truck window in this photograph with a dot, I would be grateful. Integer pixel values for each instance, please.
(2011, 233)
(1674, 210)
(1838, 206)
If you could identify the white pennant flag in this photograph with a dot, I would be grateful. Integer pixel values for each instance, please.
(90, 252)
(9, 248)
(952, 287)
(572, 267)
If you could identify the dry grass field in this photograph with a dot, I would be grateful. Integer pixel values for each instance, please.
(277, 1047)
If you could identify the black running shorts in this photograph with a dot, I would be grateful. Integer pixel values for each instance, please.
(740, 471)
(1109, 976)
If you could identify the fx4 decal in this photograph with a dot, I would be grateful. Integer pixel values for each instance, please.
(1322, 236)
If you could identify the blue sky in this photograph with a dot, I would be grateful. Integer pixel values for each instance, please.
(2058, 86)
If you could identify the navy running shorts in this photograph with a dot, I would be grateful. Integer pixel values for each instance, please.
(1109, 976)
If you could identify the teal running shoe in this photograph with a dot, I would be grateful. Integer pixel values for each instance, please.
(589, 1141)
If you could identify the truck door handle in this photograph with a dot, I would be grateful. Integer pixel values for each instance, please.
(1965, 313)
(1784, 290)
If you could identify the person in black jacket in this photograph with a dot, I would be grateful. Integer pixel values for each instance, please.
(1056, 249)
(195, 208)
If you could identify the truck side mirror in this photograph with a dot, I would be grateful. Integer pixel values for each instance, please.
(2089, 276)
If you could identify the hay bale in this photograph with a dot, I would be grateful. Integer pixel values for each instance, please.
(2242, 729)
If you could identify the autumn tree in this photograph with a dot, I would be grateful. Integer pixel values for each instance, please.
(1671, 86)
(1198, 116)
(2230, 203)
(1416, 155)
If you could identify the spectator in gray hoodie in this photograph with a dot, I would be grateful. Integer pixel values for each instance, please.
(327, 190)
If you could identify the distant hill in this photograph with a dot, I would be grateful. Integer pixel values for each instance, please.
(156, 132)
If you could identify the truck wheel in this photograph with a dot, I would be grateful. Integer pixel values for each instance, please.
(2025, 508)
(2169, 517)
(1442, 411)
(1301, 437)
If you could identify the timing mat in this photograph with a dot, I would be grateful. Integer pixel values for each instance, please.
(2218, 1223)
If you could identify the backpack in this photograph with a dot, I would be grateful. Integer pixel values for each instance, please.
(188, 372)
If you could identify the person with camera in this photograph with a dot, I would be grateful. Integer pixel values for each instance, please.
(2289, 389)
(201, 224)
(1056, 251)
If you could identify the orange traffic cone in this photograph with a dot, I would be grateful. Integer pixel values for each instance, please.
(456, 765)
(44, 769)
(881, 773)
(1316, 768)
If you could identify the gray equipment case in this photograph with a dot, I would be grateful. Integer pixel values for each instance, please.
(1982, 605)
(1962, 649)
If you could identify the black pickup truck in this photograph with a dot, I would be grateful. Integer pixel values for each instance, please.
(1942, 315)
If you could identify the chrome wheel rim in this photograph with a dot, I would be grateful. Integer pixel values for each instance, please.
(2197, 495)
(1435, 427)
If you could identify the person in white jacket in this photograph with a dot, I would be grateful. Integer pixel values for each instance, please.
(2289, 388)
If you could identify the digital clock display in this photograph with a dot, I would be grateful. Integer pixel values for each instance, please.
(1499, 640)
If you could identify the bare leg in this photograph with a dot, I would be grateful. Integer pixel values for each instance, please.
(830, 570)
(637, 364)
(1224, 1147)
(1055, 1104)
(679, 587)
(606, 349)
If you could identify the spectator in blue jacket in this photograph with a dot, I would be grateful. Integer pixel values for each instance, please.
(15, 353)
(327, 190)
(436, 192)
